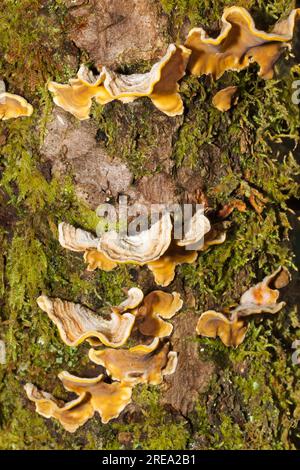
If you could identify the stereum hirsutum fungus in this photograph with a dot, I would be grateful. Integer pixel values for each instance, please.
(139, 364)
(239, 44)
(94, 396)
(77, 323)
(225, 99)
(262, 298)
(13, 106)
(155, 247)
(160, 85)
(157, 307)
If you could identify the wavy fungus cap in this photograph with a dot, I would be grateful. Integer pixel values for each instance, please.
(224, 99)
(262, 298)
(157, 307)
(239, 44)
(71, 415)
(109, 400)
(143, 247)
(77, 323)
(160, 85)
(76, 239)
(13, 106)
(140, 364)
(76, 97)
(213, 324)
(94, 395)
(154, 247)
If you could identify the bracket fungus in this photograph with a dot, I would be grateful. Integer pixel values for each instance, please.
(108, 399)
(140, 364)
(164, 268)
(225, 99)
(262, 298)
(197, 227)
(76, 239)
(77, 323)
(239, 44)
(148, 245)
(135, 297)
(71, 415)
(154, 247)
(160, 85)
(231, 331)
(13, 106)
(157, 307)
(94, 395)
(76, 97)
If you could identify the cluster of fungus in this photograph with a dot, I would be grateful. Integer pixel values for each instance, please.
(145, 319)
(262, 298)
(156, 247)
(146, 362)
(238, 45)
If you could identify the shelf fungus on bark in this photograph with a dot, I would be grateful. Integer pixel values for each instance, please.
(225, 99)
(157, 307)
(135, 297)
(155, 247)
(71, 415)
(107, 399)
(94, 395)
(262, 298)
(77, 323)
(164, 268)
(141, 248)
(239, 44)
(160, 85)
(13, 106)
(76, 239)
(76, 97)
(231, 331)
(140, 364)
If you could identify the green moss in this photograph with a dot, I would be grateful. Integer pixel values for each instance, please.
(130, 134)
(207, 12)
(158, 429)
(32, 39)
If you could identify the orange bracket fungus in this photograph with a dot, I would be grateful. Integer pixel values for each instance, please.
(153, 247)
(157, 307)
(141, 248)
(77, 323)
(76, 98)
(231, 331)
(140, 364)
(71, 415)
(160, 85)
(225, 99)
(239, 44)
(13, 106)
(94, 395)
(262, 298)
